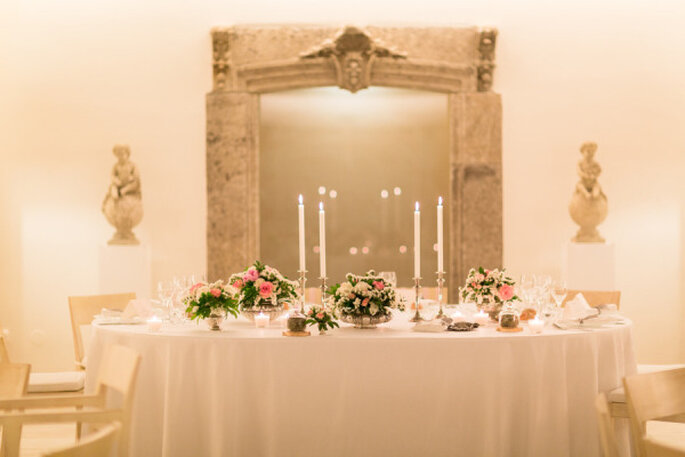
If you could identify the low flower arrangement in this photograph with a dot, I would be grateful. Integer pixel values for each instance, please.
(488, 289)
(365, 296)
(321, 316)
(203, 299)
(261, 286)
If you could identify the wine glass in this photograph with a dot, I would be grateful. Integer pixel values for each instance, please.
(559, 292)
(526, 285)
(165, 292)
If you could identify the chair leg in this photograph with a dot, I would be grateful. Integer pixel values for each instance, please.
(11, 436)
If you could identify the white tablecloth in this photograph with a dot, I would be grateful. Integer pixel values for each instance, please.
(382, 392)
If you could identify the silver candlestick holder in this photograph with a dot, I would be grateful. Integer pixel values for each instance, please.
(417, 290)
(441, 284)
(323, 290)
(303, 280)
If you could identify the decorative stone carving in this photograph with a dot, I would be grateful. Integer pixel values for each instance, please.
(353, 53)
(588, 206)
(220, 48)
(256, 59)
(486, 67)
(123, 206)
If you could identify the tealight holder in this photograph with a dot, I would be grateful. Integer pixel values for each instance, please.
(417, 292)
(297, 322)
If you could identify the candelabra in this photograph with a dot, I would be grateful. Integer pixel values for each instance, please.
(441, 283)
(417, 289)
(303, 280)
(323, 290)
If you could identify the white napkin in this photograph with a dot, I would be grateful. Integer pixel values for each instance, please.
(434, 326)
(577, 308)
(138, 307)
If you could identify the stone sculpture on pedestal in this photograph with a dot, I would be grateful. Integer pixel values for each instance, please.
(588, 207)
(123, 206)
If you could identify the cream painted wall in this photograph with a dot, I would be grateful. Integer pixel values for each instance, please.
(77, 76)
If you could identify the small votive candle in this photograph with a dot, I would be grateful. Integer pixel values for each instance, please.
(154, 324)
(536, 325)
(261, 320)
(481, 318)
(457, 316)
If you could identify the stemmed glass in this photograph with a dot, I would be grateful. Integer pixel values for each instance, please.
(559, 292)
(165, 291)
(390, 277)
(526, 286)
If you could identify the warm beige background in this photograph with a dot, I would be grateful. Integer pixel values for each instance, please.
(79, 76)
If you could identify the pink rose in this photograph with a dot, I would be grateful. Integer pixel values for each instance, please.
(215, 292)
(319, 315)
(310, 312)
(350, 296)
(365, 302)
(238, 283)
(505, 292)
(265, 289)
(196, 286)
(379, 285)
(251, 275)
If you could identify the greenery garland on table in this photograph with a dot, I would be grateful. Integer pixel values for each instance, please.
(321, 316)
(262, 285)
(204, 298)
(365, 295)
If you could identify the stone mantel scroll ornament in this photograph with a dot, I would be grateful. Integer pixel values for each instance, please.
(588, 206)
(123, 206)
(250, 60)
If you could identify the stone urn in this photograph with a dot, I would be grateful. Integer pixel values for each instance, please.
(588, 213)
(123, 214)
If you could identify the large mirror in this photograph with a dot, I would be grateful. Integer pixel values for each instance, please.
(368, 157)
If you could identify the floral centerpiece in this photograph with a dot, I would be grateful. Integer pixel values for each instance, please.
(489, 290)
(210, 301)
(263, 289)
(365, 300)
(321, 316)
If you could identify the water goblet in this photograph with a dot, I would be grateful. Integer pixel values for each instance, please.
(559, 292)
(389, 276)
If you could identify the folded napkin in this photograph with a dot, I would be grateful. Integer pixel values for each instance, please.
(578, 308)
(434, 326)
(138, 307)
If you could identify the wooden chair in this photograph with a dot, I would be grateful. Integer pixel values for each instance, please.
(4, 355)
(651, 396)
(596, 298)
(606, 427)
(84, 308)
(13, 379)
(100, 443)
(656, 449)
(117, 375)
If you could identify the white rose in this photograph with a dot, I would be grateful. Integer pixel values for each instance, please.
(258, 282)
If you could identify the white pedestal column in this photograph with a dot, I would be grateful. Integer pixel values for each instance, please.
(125, 269)
(589, 266)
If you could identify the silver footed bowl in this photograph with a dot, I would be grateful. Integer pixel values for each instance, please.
(273, 311)
(365, 321)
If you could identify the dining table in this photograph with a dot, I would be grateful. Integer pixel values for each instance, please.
(388, 391)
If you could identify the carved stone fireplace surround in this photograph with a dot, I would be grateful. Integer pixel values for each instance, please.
(256, 59)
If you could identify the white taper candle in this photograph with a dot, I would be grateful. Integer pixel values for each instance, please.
(300, 214)
(322, 240)
(440, 237)
(417, 242)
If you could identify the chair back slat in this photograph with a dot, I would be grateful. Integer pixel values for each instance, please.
(4, 354)
(596, 298)
(652, 396)
(100, 443)
(82, 310)
(14, 378)
(607, 434)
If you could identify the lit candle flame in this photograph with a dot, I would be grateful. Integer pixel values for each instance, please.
(417, 206)
(300, 199)
(439, 200)
(320, 206)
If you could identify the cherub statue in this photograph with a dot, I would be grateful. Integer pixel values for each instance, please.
(123, 206)
(588, 206)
